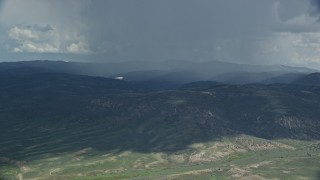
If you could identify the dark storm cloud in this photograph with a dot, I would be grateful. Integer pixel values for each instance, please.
(177, 29)
(243, 31)
(316, 8)
(316, 3)
(45, 28)
(1, 2)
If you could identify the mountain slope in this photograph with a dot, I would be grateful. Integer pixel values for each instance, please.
(309, 80)
(83, 119)
(154, 121)
(284, 78)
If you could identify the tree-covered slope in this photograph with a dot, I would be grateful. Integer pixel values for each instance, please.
(48, 115)
(60, 112)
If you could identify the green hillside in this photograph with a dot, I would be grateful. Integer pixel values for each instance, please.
(63, 126)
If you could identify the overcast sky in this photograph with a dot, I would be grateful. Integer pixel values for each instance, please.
(243, 31)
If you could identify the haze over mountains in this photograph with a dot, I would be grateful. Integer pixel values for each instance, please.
(174, 71)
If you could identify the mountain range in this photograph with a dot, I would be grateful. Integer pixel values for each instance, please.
(175, 71)
(49, 109)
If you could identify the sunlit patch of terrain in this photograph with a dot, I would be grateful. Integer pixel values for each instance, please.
(239, 157)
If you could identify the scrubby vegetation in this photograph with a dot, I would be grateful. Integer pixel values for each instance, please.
(62, 126)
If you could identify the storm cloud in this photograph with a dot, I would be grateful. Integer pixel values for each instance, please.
(242, 31)
(316, 3)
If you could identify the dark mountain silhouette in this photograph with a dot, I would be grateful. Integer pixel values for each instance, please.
(59, 112)
(309, 80)
(175, 70)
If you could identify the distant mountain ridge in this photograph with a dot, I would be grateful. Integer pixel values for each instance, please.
(175, 71)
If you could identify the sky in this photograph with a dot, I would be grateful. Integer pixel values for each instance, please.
(242, 31)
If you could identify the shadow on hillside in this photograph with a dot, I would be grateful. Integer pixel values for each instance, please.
(317, 175)
(53, 120)
(120, 134)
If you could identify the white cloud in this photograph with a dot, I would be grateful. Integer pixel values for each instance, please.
(21, 34)
(46, 39)
(79, 48)
(36, 39)
(37, 48)
(302, 20)
(293, 48)
(44, 26)
(307, 40)
(305, 47)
